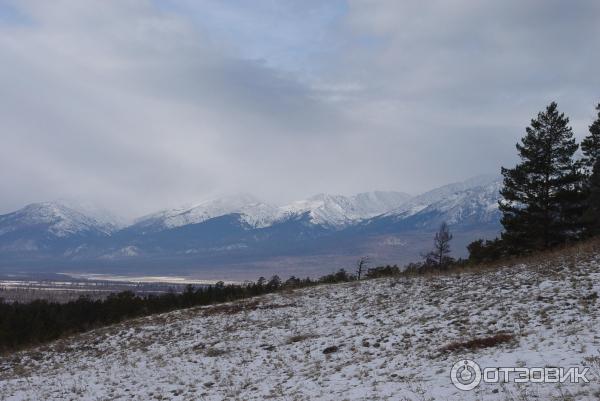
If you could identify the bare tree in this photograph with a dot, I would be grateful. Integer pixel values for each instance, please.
(439, 256)
(361, 265)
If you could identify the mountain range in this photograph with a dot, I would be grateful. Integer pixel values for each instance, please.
(242, 236)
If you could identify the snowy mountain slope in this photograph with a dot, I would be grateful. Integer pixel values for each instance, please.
(477, 205)
(48, 226)
(322, 209)
(473, 202)
(103, 216)
(242, 229)
(339, 210)
(253, 212)
(485, 188)
(241, 225)
(390, 336)
(333, 211)
(59, 220)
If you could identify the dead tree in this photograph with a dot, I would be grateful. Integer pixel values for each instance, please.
(361, 265)
(440, 255)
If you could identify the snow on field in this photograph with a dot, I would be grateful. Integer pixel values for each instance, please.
(384, 338)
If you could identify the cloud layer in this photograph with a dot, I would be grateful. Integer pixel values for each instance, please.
(138, 104)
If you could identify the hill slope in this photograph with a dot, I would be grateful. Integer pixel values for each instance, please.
(390, 336)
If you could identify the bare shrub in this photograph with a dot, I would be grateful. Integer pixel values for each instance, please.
(300, 337)
(330, 350)
(478, 343)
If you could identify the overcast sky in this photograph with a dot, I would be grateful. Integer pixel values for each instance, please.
(137, 105)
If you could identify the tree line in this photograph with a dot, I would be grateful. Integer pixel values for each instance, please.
(41, 321)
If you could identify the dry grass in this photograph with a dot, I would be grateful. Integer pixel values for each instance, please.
(215, 352)
(330, 350)
(541, 258)
(278, 306)
(231, 309)
(238, 307)
(299, 338)
(479, 343)
(572, 251)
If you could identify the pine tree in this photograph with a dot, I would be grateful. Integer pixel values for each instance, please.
(274, 282)
(591, 217)
(590, 146)
(542, 193)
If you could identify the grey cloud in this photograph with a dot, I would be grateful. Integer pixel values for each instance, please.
(140, 113)
(138, 107)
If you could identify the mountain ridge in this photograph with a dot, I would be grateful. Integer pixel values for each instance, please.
(391, 226)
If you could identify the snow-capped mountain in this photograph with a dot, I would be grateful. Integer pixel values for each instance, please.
(47, 226)
(57, 220)
(252, 211)
(241, 229)
(478, 204)
(102, 215)
(339, 211)
(473, 200)
(323, 209)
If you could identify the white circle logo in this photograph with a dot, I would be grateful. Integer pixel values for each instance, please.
(465, 375)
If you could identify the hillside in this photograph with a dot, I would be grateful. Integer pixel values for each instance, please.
(396, 339)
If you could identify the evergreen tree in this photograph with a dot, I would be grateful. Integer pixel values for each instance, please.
(590, 146)
(274, 282)
(591, 217)
(485, 251)
(542, 194)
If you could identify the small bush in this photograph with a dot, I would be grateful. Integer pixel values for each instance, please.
(383, 271)
(330, 350)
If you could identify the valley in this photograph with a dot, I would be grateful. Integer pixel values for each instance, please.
(384, 339)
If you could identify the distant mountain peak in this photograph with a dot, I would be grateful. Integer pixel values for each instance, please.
(239, 227)
(252, 210)
(58, 219)
(474, 199)
(102, 215)
(340, 210)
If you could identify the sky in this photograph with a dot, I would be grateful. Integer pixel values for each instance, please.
(138, 105)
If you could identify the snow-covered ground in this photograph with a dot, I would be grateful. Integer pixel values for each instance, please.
(389, 333)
